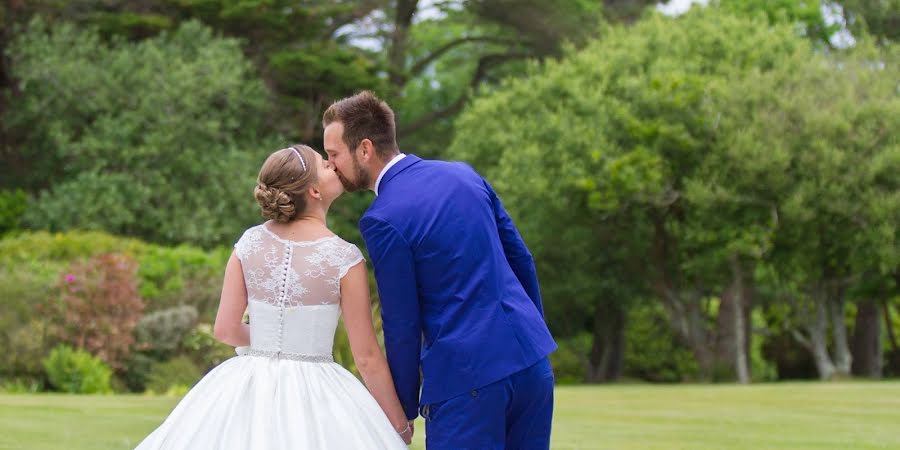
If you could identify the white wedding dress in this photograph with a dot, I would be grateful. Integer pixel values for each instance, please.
(285, 391)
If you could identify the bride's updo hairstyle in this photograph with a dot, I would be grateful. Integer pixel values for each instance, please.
(283, 181)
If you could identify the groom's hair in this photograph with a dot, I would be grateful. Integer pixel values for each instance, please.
(365, 116)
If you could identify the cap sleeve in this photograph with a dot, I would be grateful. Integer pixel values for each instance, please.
(352, 257)
(246, 244)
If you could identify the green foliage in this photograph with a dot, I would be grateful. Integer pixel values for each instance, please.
(32, 265)
(137, 369)
(761, 368)
(202, 347)
(591, 153)
(322, 71)
(158, 139)
(880, 18)
(651, 350)
(77, 372)
(806, 13)
(570, 360)
(159, 334)
(20, 385)
(182, 275)
(131, 24)
(177, 373)
(168, 276)
(666, 156)
(12, 206)
(23, 332)
(24, 346)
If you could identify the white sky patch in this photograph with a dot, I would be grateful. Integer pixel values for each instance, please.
(833, 13)
(678, 7)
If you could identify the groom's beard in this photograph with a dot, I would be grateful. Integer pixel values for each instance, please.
(362, 181)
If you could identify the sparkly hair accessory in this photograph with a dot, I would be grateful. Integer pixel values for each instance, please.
(302, 161)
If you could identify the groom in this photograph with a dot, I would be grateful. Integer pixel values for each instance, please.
(458, 288)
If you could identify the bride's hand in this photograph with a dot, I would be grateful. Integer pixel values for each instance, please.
(407, 433)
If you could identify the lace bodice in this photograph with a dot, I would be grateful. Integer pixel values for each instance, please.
(293, 290)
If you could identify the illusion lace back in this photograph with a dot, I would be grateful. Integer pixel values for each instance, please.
(293, 291)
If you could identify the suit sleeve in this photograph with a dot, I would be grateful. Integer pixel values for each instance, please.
(396, 278)
(516, 252)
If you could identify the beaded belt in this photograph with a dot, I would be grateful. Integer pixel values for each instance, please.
(291, 356)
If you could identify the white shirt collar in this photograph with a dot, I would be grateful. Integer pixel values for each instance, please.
(387, 166)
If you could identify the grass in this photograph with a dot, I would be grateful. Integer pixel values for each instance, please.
(851, 415)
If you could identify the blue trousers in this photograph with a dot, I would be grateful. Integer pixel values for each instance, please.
(512, 413)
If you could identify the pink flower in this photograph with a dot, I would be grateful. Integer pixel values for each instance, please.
(70, 278)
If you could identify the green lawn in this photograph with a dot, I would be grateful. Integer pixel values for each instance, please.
(862, 415)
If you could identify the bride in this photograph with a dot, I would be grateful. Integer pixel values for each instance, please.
(297, 278)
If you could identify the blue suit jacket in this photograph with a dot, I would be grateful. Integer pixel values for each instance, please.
(458, 288)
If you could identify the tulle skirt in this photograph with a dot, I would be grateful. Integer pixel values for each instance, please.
(254, 402)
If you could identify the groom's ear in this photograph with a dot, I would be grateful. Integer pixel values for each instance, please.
(366, 150)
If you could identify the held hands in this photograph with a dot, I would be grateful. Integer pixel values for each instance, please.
(407, 433)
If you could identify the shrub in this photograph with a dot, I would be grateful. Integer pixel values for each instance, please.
(23, 330)
(137, 369)
(651, 352)
(98, 306)
(167, 276)
(77, 372)
(202, 347)
(182, 275)
(570, 360)
(175, 373)
(25, 346)
(159, 334)
(12, 207)
(34, 267)
(21, 385)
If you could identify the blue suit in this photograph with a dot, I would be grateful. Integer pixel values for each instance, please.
(460, 300)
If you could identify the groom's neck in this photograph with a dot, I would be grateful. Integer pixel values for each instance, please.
(377, 167)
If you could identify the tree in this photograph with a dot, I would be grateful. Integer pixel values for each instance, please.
(805, 13)
(636, 165)
(158, 139)
(604, 141)
(838, 239)
(880, 18)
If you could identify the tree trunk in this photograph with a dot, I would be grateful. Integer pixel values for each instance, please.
(397, 53)
(867, 350)
(698, 339)
(608, 350)
(684, 309)
(726, 370)
(741, 336)
(818, 343)
(733, 328)
(842, 357)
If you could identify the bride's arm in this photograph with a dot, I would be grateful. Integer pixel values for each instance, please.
(357, 311)
(229, 327)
